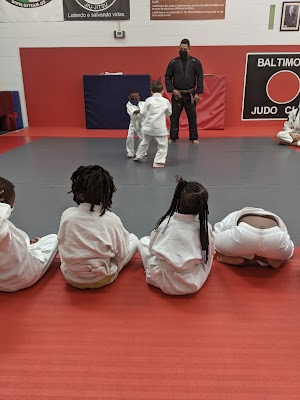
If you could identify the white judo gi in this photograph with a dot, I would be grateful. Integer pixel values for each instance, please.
(135, 126)
(172, 255)
(246, 241)
(22, 264)
(93, 249)
(292, 125)
(154, 126)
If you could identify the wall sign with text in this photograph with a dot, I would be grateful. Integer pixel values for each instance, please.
(95, 10)
(187, 9)
(271, 85)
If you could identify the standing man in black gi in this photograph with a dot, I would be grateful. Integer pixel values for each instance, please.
(184, 78)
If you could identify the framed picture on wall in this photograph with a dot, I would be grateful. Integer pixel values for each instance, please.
(290, 16)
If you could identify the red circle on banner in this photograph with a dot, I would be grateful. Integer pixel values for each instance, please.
(283, 87)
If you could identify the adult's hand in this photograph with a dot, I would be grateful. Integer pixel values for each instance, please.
(176, 94)
(196, 97)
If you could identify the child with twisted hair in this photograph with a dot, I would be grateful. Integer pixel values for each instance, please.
(178, 255)
(22, 261)
(93, 244)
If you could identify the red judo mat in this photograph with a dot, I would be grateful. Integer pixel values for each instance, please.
(236, 339)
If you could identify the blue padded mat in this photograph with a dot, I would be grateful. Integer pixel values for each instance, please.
(105, 98)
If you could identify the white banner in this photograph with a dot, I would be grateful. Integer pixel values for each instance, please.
(31, 10)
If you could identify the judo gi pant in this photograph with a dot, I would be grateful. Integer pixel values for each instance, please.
(247, 241)
(146, 259)
(130, 142)
(162, 148)
(44, 250)
(190, 109)
(286, 138)
(170, 281)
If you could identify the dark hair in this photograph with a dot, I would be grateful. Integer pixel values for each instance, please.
(93, 184)
(9, 189)
(131, 91)
(156, 87)
(185, 41)
(190, 198)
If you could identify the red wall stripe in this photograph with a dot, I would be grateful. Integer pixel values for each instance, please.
(53, 76)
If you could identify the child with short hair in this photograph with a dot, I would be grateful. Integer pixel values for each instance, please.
(93, 244)
(178, 255)
(22, 261)
(154, 126)
(134, 107)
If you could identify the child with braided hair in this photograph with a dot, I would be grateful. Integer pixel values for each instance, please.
(93, 244)
(178, 255)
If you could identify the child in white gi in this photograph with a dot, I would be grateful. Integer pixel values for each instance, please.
(93, 244)
(291, 129)
(134, 107)
(22, 261)
(252, 236)
(178, 255)
(154, 126)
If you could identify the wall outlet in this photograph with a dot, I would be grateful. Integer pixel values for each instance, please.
(119, 34)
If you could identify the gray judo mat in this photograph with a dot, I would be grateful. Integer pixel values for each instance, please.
(237, 172)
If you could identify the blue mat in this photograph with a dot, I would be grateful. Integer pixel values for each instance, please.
(105, 98)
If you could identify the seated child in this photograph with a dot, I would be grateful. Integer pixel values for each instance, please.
(154, 126)
(178, 255)
(134, 107)
(93, 244)
(291, 129)
(252, 236)
(22, 262)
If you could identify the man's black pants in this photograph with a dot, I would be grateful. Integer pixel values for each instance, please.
(190, 109)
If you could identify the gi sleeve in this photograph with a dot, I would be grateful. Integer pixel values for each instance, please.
(130, 109)
(169, 77)
(5, 212)
(169, 108)
(199, 75)
(289, 124)
(145, 108)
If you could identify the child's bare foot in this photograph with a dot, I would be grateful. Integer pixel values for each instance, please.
(230, 260)
(157, 165)
(274, 263)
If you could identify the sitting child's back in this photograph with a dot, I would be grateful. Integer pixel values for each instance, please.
(178, 255)
(22, 262)
(93, 244)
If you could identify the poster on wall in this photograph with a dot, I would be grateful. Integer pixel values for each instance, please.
(95, 10)
(31, 10)
(271, 85)
(290, 15)
(187, 9)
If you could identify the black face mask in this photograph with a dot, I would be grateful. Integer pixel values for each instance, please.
(183, 54)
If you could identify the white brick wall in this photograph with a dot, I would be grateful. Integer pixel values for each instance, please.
(246, 23)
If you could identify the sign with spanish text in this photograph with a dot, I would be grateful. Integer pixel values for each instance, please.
(95, 10)
(187, 9)
(271, 85)
(31, 10)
